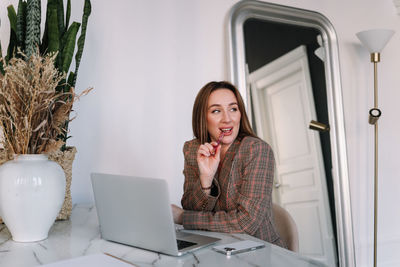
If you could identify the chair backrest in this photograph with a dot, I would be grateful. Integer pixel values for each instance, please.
(286, 227)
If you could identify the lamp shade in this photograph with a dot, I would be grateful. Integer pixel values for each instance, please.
(375, 40)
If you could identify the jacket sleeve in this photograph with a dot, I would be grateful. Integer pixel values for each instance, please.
(193, 196)
(254, 196)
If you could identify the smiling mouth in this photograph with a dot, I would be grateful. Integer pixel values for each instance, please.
(226, 131)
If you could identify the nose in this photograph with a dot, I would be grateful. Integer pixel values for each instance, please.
(226, 116)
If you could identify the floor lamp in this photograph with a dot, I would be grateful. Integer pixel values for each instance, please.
(375, 41)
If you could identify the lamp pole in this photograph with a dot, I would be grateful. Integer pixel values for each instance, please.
(374, 114)
(375, 40)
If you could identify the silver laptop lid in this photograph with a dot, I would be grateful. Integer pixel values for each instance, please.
(135, 211)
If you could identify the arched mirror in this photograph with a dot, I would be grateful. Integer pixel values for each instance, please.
(285, 62)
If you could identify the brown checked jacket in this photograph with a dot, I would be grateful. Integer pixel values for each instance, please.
(241, 201)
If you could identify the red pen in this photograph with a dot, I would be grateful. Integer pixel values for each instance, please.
(218, 142)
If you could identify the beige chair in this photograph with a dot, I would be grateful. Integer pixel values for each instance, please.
(286, 227)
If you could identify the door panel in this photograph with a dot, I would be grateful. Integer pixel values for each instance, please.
(284, 105)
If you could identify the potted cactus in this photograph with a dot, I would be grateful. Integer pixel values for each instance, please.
(59, 38)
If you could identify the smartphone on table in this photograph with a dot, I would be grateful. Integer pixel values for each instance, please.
(238, 247)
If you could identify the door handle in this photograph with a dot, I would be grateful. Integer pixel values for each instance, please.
(319, 126)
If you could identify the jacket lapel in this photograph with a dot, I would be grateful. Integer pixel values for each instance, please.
(225, 171)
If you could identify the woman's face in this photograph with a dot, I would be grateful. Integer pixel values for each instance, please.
(223, 115)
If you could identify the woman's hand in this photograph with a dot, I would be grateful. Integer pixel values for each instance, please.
(177, 214)
(208, 159)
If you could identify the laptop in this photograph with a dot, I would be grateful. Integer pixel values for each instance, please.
(136, 211)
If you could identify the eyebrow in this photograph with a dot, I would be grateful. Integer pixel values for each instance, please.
(218, 105)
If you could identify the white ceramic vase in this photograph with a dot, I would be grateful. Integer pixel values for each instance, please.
(32, 190)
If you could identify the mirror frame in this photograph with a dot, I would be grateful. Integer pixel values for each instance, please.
(244, 10)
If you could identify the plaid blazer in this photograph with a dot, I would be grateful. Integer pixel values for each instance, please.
(242, 202)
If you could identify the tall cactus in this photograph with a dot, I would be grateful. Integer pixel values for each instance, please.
(33, 15)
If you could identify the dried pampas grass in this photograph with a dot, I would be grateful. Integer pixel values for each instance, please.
(32, 112)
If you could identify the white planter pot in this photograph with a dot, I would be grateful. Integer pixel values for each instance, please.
(32, 190)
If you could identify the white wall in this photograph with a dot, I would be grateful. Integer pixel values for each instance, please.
(148, 58)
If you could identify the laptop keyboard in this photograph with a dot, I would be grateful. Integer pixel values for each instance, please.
(184, 244)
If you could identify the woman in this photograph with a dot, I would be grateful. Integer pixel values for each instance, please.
(228, 170)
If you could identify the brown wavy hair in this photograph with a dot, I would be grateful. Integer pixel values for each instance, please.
(199, 115)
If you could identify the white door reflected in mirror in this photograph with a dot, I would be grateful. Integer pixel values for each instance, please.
(283, 104)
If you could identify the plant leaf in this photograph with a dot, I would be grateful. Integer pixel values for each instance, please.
(33, 16)
(68, 14)
(1, 58)
(12, 16)
(87, 9)
(21, 24)
(1, 64)
(45, 39)
(60, 16)
(71, 78)
(53, 30)
(69, 47)
(12, 45)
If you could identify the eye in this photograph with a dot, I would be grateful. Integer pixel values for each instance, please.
(234, 109)
(215, 111)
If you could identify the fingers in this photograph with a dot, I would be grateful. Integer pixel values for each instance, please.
(214, 144)
(206, 150)
(208, 160)
(217, 149)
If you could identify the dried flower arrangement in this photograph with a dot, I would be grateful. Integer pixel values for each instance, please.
(60, 36)
(32, 111)
(35, 116)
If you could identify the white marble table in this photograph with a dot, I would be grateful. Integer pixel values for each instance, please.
(80, 236)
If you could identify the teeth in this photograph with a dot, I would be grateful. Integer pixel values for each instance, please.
(226, 130)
